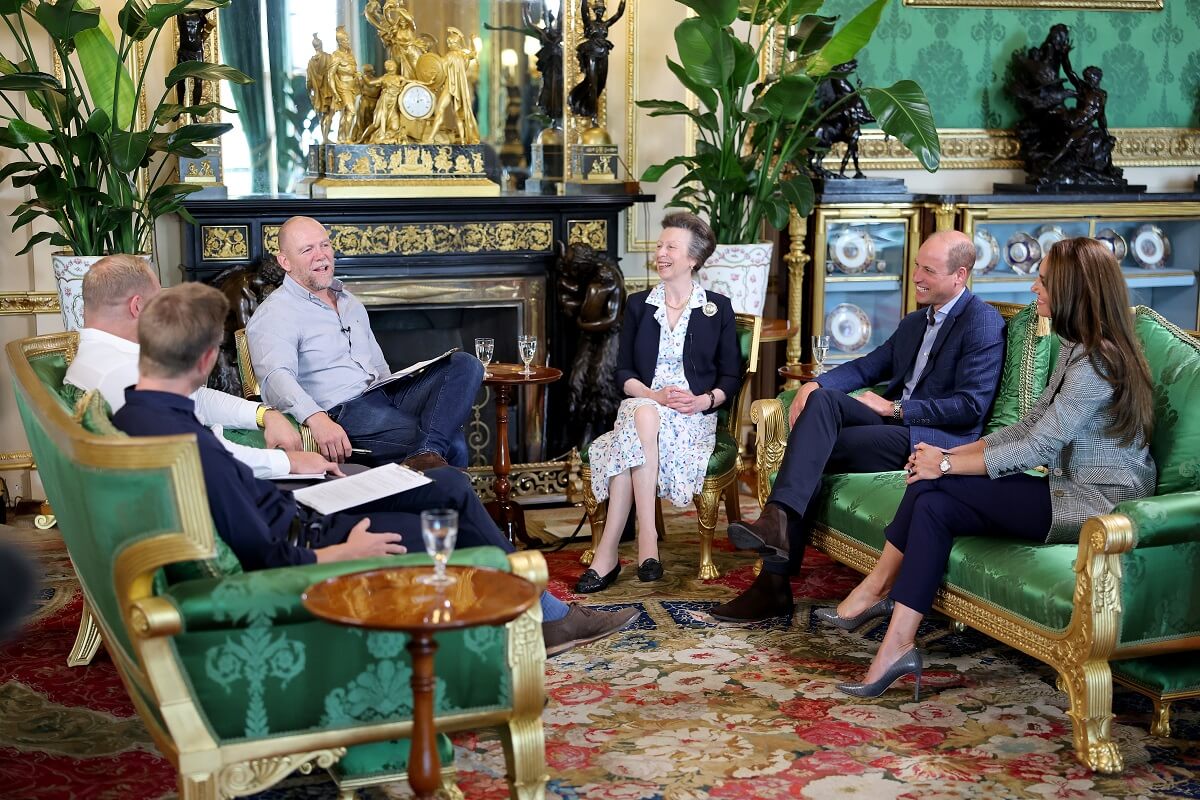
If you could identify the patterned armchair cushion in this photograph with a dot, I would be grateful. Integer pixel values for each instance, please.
(259, 663)
(1174, 359)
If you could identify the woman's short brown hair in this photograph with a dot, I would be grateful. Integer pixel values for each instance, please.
(177, 326)
(704, 241)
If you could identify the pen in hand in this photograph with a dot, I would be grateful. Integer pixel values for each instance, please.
(360, 450)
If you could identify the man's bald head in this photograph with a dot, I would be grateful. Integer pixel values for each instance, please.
(290, 230)
(958, 249)
(306, 253)
(115, 290)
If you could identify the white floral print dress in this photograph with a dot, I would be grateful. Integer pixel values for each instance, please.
(685, 441)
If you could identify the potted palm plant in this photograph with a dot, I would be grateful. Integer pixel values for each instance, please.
(754, 130)
(80, 144)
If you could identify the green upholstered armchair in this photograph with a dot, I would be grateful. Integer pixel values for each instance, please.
(1126, 594)
(238, 684)
(721, 477)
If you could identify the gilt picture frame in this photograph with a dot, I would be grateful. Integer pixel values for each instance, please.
(1093, 5)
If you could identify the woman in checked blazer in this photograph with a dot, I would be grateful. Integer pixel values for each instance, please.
(1090, 428)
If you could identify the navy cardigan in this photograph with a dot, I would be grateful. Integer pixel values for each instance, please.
(711, 357)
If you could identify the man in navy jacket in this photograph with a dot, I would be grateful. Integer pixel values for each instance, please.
(941, 369)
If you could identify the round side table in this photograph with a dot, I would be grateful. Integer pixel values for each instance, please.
(509, 516)
(394, 599)
(803, 373)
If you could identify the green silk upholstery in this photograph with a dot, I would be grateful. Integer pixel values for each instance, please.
(1174, 673)
(1174, 360)
(1028, 362)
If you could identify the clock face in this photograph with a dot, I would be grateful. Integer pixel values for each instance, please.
(416, 101)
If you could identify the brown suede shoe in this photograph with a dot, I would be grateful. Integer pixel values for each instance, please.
(425, 460)
(582, 625)
(769, 596)
(768, 534)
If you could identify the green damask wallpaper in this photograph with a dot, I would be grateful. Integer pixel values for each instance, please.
(1151, 60)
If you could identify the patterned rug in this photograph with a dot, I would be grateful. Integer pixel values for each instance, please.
(676, 708)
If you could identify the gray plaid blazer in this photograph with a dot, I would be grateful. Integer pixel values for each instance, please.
(1090, 472)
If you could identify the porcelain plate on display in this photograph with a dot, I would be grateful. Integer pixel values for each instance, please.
(1113, 241)
(849, 327)
(1023, 253)
(853, 251)
(1151, 247)
(987, 252)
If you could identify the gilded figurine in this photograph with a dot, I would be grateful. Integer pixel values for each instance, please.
(592, 54)
(368, 96)
(456, 92)
(318, 89)
(385, 124)
(342, 79)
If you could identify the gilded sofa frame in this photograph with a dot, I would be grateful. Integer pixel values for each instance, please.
(1079, 654)
(155, 680)
(716, 487)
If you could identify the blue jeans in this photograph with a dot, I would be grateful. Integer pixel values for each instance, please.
(419, 414)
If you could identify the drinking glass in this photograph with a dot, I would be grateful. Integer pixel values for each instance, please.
(820, 347)
(527, 348)
(439, 529)
(484, 348)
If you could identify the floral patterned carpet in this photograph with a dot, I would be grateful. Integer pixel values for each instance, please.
(677, 707)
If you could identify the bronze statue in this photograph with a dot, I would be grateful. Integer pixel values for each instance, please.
(592, 54)
(549, 56)
(318, 88)
(194, 30)
(1061, 144)
(842, 125)
(245, 287)
(591, 290)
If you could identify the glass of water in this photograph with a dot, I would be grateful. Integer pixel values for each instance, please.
(527, 348)
(820, 347)
(439, 529)
(484, 348)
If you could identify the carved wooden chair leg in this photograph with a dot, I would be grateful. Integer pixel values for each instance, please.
(707, 504)
(1161, 725)
(87, 640)
(597, 513)
(1089, 689)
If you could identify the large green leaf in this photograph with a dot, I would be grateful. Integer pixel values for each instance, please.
(811, 35)
(129, 149)
(706, 52)
(169, 112)
(198, 132)
(799, 193)
(206, 71)
(704, 94)
(846, 43)
(14, 167)
(96, 51)
(717, 12)
(12, 6)
(745, 64)
(27, 133)
(788, 98)
(794, 10)
(44, 236)
(656, 172)
(65, 19)
(903, 111)
(28, 81)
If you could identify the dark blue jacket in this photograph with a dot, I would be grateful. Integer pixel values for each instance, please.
(711, 357)
(955, 392)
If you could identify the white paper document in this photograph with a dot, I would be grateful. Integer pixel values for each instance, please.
(409, 370)
(354, 490)
(302, 476)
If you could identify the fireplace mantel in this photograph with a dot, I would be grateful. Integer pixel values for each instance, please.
(436, 238)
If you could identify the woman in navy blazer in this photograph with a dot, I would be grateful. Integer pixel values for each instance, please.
(1091, 428)
(678, 363)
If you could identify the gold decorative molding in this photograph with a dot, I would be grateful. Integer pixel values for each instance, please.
(29, 303)
(1095, 5)
(225, 242)
(972, 148)
(248, 777)
(19, 459)
(592, 232)
(547, 480)
(421, 238)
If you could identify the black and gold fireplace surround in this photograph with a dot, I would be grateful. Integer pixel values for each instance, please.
(462, 267)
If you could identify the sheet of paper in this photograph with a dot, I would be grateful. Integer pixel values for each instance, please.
(409, 370)
(330, 497)
(302, 476)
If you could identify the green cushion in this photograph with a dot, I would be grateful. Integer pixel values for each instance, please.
(51, 368)
(1028, 362)
(1169, 674)
(1174, 359)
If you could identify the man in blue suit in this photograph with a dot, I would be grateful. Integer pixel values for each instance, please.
(941, 369)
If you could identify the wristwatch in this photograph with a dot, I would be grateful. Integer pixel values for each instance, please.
(945, 465)
(897, 410)
(260, 416)
(712, 400)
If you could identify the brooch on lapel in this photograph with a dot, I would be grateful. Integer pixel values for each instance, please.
(710, 309)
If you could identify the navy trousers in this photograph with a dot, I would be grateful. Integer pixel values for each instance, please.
(835, 433)
(933, 512)
(422, 413)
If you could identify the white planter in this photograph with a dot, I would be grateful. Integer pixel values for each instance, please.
(740, 272)
(68, 272)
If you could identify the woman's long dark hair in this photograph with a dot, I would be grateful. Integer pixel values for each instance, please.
(1089, 304)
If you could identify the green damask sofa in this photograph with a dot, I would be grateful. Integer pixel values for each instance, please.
(1129, 590)
(237, 683)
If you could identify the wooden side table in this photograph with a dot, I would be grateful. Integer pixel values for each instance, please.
(394, 599)
(802, 373)
(509, 516)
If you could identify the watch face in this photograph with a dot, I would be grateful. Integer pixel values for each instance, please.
(416, 101)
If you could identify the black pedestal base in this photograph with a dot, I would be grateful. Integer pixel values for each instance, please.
(1066, 188)
(830, 186)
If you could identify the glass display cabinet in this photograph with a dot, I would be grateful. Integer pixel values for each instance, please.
(1155, 237)
(861, 255)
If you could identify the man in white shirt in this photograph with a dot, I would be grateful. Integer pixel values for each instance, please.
(115, 290)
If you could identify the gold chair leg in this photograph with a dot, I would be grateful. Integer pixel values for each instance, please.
(1161, 726)
(199, 787)
(45, 519)
(597, 513)
(525, 754)
(707, 504)
(87, 639)
(1089, 690)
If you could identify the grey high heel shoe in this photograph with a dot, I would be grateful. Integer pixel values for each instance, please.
(830, 616)
(908, 664)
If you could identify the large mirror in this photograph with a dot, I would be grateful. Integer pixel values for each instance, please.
(266, 152)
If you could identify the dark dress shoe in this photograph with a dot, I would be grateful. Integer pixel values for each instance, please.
(650, 570)
(908, 664)
(426, 460)
(591, 581)
(769, 596)
(768, 534)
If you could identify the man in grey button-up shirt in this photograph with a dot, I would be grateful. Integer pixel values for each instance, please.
(316, 358)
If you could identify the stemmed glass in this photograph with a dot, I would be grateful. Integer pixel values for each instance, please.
(484, 348)
(527, 348)
(439, 529)
(820, 347)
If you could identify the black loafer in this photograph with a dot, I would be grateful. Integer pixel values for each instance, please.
(591, 581)
(650, 570)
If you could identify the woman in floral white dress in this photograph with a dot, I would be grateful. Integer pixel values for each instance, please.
(678, 364)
